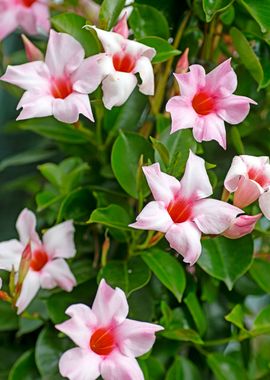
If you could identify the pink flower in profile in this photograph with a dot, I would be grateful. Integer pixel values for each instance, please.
(241, 226)
(120, 63)
(249, 179)
(180, 210)
(206, 101)
(107, 341)
(57, 86)
(48, 268)
(122, 27)
(30, 15)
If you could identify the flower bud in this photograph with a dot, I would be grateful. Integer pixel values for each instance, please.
(241, 226)
(122, 27)
(32, 52)
(182, 64)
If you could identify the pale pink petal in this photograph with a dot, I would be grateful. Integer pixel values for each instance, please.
(154, 216)
(31, 75)
(185, 239)
(110, 305)
(80, 364)
(237, 170)
(117, 87)
(8, 22)
(264, 203)
(210, 127)
(119, 367)
(241, 226)
(30, 287)
(195, 183)
(192, 81)
(247, 192)
(111, 42)
(59, 240)
(68, 110)
(122, 26)
(10, 254)
(57, 273)
(222, 81)
(182, 113)
(214, 217)
(135, 338)
(27, 20)
(80, 326)
(164, 187)
(41, 11)
(35, 104)
(26, 227)
(64, 54)
(255, 162)
(233, 109)
(145, 69)
(136, 49)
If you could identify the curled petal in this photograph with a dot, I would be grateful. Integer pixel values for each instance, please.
(59, 240)
(248, 191)
(190, 82)
(241, 226)
(119, 367)
(10, 254)
(237, 170)
(122, 27)
(26, 227)
(117, 87)
(112, 42)
(68, 110)
(145, 69)
(234, 108)
(57, 273)
(222, 81)
(264, 202)
(30, 287)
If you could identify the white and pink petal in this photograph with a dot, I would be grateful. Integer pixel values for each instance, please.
(59, 240)
(57, 273)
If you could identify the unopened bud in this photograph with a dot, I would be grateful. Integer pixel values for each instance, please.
(182, 64)
(31, 51)
(5, 297)
(241, 226)
(25, 263)
(122, 27)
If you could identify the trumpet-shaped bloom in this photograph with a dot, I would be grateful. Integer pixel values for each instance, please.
(249, 179)
(241, 226)
(48, 267)
(180, 210)
(107, 341)
(120, 63)
(207, 101)
(30, 15)
(57, 86)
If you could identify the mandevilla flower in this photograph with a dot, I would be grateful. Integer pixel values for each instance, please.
(108, 341)
(249, 179)
(57, 86)
(48, 268)
(180, 211)
(31, 15)
(206, 101)
(241, 226)
(121, 61)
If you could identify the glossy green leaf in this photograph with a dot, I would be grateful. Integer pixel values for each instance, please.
(236, 316)
(225, 367)
(164, 50)
(183, 369)
(260, 271)
(260, 11)
(181, 334)
(126, 153)
(212, 7)
(196, 311)
(109, 13)
(112, 216)
(167, 269)
(161, 150)
(226, 259)
(24, 368)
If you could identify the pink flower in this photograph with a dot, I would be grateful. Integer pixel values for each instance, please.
(207, 101)
(249, 179)
(48, 268)
(180, 210)
(120, 63)
(182, 64)
(122, 27)
(107, 341)
(31, 15)
(57, 86)
(241, 226)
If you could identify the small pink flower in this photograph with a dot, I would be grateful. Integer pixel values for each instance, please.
(48, 268)
(249, 179)
(180, 211)
(241, 226)
(122, 27)
(182, 64)
(207, 101)
(57, 86)
(31, 15)
(120, 63)
(107, 341)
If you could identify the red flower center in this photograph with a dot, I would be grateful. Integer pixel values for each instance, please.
(39, 259)
(180, 209)
(28, 3)
(258, 176)
(61, 87)
(203, 103)
(123, 62)
(102, 342)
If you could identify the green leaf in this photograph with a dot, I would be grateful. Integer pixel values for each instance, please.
(260, 271)
(24, 368)
(83, 270)
(236, 316)
(247, 55)
(112, 216)
(126, 153)
(212, 7)
(197, 312)
(226, 259)
(109, 13)
(8, 317)
(262, 321)
(163, 48)
(148, 21)
(28, 157)
(73, 24)
(183, 369)
(181, 334)
(161, 150)
(225, 367)
(236, 140)
(128, 275)
(260, 11)
(167, 269)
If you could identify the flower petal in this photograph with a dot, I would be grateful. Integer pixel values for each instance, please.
(119, 367)
(264, 202)
(237, 170)
(214, 217)
(241, 226)
(163, 186)
(26, 227)
(41, 11)
(57, 273)
(222, 81)
(8, 22)
(248, 191)
(30, 287)
(117, 87)
(195, 186)
(67, 110)
(145, 69)
(233, 109)
(210, 127)
(110, 305)
(79, 327)
(135, 338)
(80, 364)
(182, 113)
(190, 82)
(10, 254)
(35, 104)
(59, 240)
(111, 42)
(185, 239)
(154, 216)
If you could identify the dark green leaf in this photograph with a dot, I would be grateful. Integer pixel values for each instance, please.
(163, 49)
(212, 7)
(8, 317)
(197, 312)
(109, 13)
(260, 11)
(260, 271)
(112, 216)
(24, 368)
(225, 367)
(183, 369)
